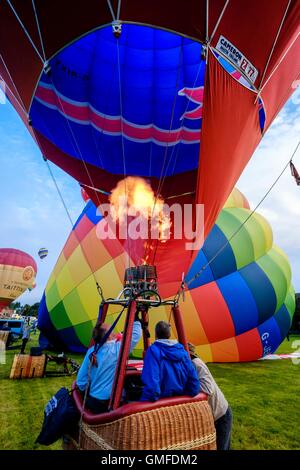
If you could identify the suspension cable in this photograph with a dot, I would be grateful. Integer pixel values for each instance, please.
(39, 29)
(218, 22)
(123, 146)
(111, 10)
(25, 31)
(59, 191)
(273, 47)
(164, 168)
(98, 287)
(198, 274)
(75, 141)
(45, 60)
(207, 22)
(19, 99)
(119, 9)
(280, 61)
(114, 17)
(57, 94)
(177, 146)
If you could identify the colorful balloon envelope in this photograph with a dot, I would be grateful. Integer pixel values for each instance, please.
(17, 273)
(178, 93)
(238, 308)
(43, 253)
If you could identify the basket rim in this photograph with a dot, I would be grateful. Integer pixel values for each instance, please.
(131, 408)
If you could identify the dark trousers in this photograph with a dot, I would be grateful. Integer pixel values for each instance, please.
(97, 406)
(223, 429)
(24, 342)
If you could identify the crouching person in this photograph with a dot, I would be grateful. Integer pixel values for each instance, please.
(99, 375)
(221, 410)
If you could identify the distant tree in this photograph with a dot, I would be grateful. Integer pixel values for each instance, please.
(25, 310)
(30, 310)
(15, 305)
(33, 311)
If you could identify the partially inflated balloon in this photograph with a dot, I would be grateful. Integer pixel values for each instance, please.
(237, 309)
(17, 273)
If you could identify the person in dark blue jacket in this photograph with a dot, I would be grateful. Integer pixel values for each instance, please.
(168, 370)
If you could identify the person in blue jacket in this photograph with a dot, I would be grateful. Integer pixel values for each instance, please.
(168, 370)
(102, 371)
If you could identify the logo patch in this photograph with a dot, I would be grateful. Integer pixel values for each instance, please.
(237, 58)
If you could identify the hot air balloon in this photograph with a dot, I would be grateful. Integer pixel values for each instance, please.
(32, 287)
(179, 95)
(43, 252)
(17, 273)
(238, 308)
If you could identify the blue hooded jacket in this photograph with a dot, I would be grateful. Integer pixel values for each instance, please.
(168, 371)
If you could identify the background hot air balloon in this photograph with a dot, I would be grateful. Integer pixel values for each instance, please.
(106, 105)
(43, 252)
(238, 309)
(17, 273)
(32, 287)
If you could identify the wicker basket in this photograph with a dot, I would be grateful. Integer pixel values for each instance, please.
(27, 367)
(188, 426)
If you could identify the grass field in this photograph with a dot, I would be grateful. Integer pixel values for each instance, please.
(264, 397)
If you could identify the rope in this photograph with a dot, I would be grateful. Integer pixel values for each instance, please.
(75, 141)
(93, 130)
(83, 404)
(39, 29)
(96, 438)
(106, 193)
(163, 169)
(185, 111)
(177, 147)
(123, 146)
(19, 101)
(219, 21)
(273, 47)
(280, 61)
(207, 22)
(119, 9)
(111, 10)
(114, 17)
(25, 31)
(245, 221)
(72, 224)
(59, 192)
(95, 351)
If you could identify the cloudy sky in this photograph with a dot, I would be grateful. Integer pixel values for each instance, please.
(32, 215)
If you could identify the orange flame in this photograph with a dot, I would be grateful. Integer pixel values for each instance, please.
(134, 196)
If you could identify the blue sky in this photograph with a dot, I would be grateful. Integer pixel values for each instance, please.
(32, 215)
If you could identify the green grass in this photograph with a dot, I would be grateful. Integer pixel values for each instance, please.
(264, 397)
(22, 404)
